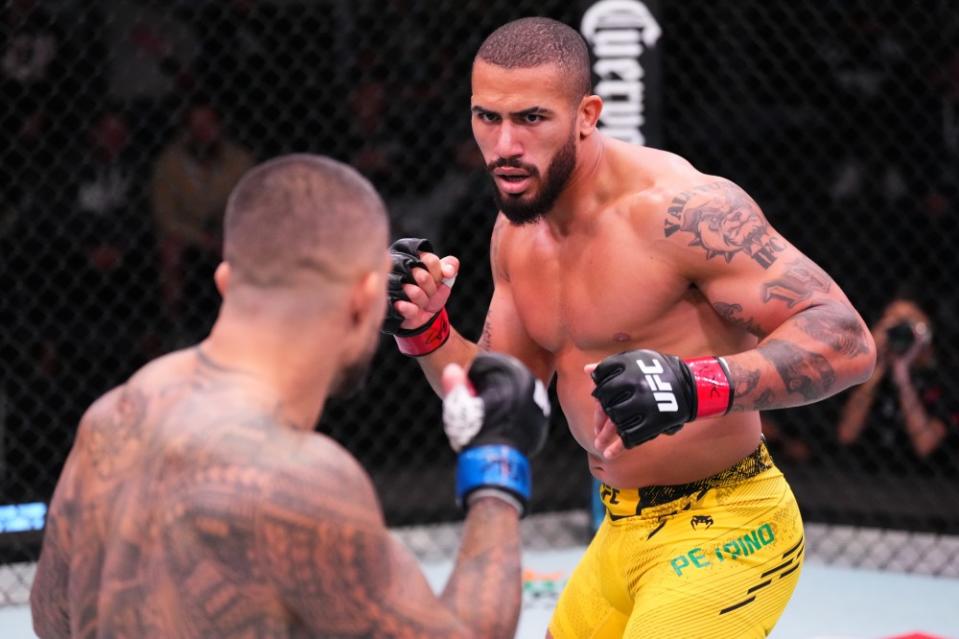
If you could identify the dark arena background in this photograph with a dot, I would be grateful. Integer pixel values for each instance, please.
(125, 123)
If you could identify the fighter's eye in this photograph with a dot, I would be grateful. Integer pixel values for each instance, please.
(532, 118)
(487, 117)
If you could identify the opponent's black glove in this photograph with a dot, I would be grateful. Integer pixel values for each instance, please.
(405, 254)
(424, 339)
(496, 429)
(645, 393)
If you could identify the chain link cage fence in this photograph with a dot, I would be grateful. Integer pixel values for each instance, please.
(124, 124)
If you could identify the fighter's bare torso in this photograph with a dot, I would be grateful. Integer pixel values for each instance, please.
(609, 282)
(184, 497)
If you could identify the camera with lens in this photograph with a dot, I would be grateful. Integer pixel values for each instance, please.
(901, 337)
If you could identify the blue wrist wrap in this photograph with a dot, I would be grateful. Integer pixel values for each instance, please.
(493, 466)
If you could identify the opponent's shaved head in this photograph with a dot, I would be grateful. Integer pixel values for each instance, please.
(300, 214)
(531, 42)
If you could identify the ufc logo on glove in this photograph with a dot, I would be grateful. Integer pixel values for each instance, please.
(662, 391)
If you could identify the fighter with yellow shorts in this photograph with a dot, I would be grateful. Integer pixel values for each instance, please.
(700, 561)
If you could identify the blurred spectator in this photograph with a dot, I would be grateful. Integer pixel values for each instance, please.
(96, 258)
(31, 47)
(879, 68)
(151, 50)
(904, 418)
(112, 229)
(107, 173)
(377, 151)
(422, 214)
(191, 182)
(234, 55)
(35, 86)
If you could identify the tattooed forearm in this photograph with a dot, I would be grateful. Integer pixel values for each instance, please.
(488, 565)
(802, 371)
(765, 400)
(732, 313)
(723, 220)
(835, 326)
(797, 284)
(343, 574)
(744, 381)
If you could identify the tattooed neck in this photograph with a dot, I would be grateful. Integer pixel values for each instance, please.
(211, 365)
(281, 412)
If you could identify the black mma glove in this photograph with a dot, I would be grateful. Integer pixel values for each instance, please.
(496, 428)
(424, 339)
(645, 393)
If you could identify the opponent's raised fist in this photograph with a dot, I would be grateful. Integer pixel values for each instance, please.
(419, 285)
(645, 394)
(496, 418)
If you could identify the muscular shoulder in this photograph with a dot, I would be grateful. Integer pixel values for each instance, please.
(316, 477)
(112, 420)
(646, 183)
(705, 221)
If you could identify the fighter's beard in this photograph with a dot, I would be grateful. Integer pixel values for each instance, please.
(520, 211)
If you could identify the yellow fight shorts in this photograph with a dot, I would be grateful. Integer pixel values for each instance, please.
(714, 559)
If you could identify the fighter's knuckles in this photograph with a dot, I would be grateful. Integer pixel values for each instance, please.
(416, 295)
(430, 260)
(408, 310)
(424, 279)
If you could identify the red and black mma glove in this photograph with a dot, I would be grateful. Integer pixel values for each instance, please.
(496, 427)
(645, 393)
(424, 339)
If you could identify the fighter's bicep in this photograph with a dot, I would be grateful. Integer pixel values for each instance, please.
(401, 596)
(337, 567)
(727, 247)
(761, 300)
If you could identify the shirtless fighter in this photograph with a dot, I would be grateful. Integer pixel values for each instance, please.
(197, 500)
(670, 312)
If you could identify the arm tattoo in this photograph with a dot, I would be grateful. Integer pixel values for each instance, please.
(346, 577)
(488, 564)
(744, 381)
(109, 438)
(798, 283)
(48, 597)
(486, 339)
(835, 326)
(765, 400)
(732, 314)
(802, 371)
(724, 221)
(112, 439)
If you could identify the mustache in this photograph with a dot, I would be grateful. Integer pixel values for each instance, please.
(512, 163)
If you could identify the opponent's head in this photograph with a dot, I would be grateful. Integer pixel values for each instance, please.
(305, 241)
(532, 106)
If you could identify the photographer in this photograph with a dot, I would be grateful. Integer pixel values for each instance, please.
(904, 405)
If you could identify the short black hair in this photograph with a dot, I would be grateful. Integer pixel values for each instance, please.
(531, 42)
(302, 212)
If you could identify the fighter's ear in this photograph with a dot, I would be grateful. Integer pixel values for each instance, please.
(367, 298)
(590, 108)
(222, 278)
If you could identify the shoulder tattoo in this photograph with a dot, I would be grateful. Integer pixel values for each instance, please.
(724, 221)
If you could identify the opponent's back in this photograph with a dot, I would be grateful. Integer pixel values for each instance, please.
(155, 511)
